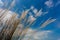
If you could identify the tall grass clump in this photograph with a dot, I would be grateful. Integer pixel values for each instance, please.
(13, 27)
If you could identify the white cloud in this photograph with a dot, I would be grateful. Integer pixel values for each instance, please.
(49, 3)
(41, 35)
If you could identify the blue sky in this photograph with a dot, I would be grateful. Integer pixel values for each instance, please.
(50, 6)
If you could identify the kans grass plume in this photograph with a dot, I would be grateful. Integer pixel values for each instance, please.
(12, 27)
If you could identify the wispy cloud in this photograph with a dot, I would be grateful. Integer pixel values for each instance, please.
(41, 35)
(49, 3)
